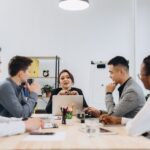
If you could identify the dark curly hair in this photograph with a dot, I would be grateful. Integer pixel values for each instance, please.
(146, 63)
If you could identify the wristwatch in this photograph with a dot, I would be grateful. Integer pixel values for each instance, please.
(108, 93)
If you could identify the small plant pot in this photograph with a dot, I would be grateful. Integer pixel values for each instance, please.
(48, 94)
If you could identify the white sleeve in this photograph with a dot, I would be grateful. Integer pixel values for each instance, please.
(140, 123)
(7, 119)
(124, 120)
(12, 128)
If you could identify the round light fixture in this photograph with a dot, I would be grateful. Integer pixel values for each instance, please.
(74, 5)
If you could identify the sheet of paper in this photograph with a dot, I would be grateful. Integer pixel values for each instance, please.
(46, 116)
(58, 136)
(43, 116)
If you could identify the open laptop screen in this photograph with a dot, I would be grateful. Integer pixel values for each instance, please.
(67, 101)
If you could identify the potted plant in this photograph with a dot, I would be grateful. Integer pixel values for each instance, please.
(47, 90)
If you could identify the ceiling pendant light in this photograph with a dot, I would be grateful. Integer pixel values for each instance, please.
(74, 5)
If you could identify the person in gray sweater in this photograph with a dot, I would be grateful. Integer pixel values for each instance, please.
(13, 103)
(131, 96)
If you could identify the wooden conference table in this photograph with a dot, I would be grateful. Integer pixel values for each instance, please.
(75, 139)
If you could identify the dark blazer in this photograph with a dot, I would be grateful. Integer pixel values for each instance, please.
(56, 91)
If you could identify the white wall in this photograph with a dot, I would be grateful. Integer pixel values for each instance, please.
(142, 33)
(39, 27)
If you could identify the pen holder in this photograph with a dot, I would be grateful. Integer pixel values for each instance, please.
(64, 112)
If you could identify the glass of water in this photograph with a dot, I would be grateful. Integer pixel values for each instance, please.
(91, 127)
(51, 118)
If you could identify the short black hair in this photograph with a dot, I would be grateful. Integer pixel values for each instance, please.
(119, 60)
(146, 63)
(18, 63)
(70, 75)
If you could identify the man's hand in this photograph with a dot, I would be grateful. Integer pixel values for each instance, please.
(34, 87)
(93, 111)
(106, 119)
(110, 87)
(33, 124)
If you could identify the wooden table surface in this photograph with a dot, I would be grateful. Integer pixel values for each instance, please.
(75, 139)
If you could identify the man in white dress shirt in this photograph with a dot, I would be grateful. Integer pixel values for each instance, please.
(12, 126)
(140, 123)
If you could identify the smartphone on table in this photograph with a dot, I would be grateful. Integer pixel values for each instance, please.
(42, 133)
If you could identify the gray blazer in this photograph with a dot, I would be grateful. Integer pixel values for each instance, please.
(131, 101)
(13, 103)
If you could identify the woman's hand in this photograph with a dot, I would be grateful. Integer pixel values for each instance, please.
(67, 92)
(63, 92)
(73, 93)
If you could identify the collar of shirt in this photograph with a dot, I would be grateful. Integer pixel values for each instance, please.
(16, 87)
(120, 89)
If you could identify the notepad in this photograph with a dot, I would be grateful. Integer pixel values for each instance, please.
(46, 116)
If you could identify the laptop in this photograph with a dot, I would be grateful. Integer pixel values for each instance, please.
(67, 101)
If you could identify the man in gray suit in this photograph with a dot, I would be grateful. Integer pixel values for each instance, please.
(131, 97)
(12, 126)
(140, 123)
(13, 103)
